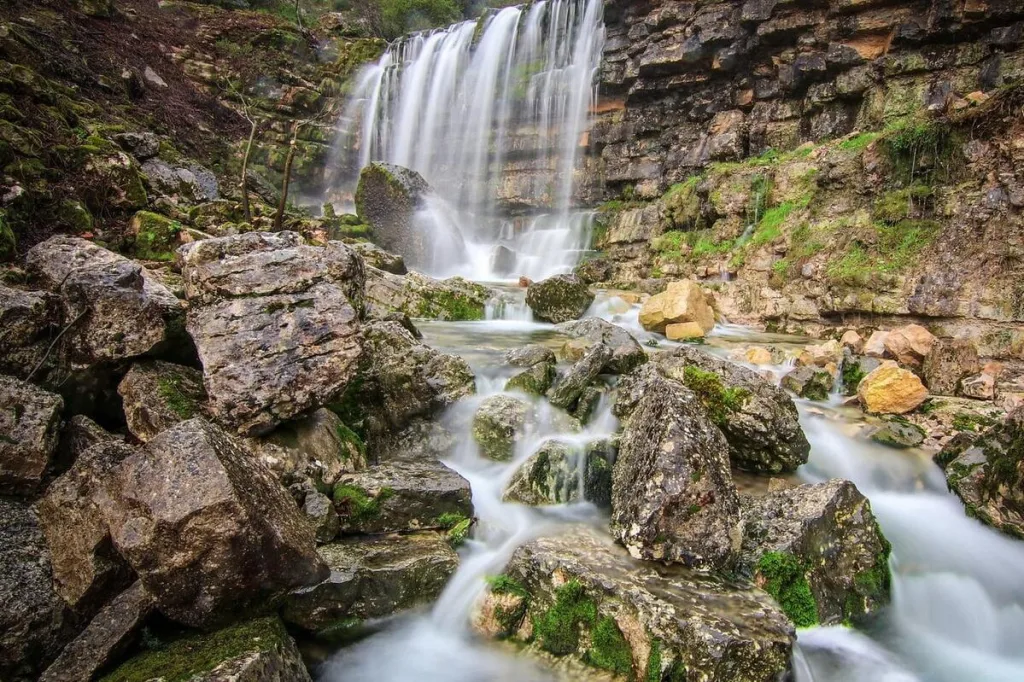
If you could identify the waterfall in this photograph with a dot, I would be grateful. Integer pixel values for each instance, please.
(492, 113)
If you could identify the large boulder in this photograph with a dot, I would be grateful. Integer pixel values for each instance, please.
(28, 321)
(683, 301)
(500, 423)
(627, 354)
(402, 379)
(529, 356)
(987, 474)
(890, 389)
(157, 395)
(758, 418)
(35, 623)
(392, 200)
(208, 529)
(577, 594)
(401, 496)
(910, 344)
(819, 551)
(253, 651)
(320, 447)
(115, 309)
(562, 472)
(114, 629)
(185, 183)
(30, 421)
(559, 299)
(290, 309)
(419, 296)
(87, 570)
(372, 577)
(673, 497)
(947, 363)
(568, 388)
(809, 382)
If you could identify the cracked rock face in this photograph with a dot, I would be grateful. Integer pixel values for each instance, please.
(673, 497)
(289, 309)
(30, 421)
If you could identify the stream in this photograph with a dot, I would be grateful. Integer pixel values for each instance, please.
(957, 610)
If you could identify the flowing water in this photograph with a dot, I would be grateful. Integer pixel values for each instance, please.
(957, 609)
(491, 113)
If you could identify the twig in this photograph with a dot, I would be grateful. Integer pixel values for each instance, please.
(54, 343)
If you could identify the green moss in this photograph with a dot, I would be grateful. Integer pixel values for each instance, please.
(852, 374)
(458, 533)
(901, 204)
(446, 305)
(343, 631)
(719, 401)
(536, 380)
(609, 649)
(509, 617)
(858, 143)
(156, 236)
(654, 662)
(558, 629)
(682, 206)
(350, 438)
(170, 388)
(966, 421)
(197, 654)
(357, 505)
(785, 580)
(893, 249)
(8, 243)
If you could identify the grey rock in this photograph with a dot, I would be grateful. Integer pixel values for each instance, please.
(372, 577)
(188, 183)
(949, 361)
(290, 309)
(560, 473)
(673, 497)
(87, 570)
(503, 261)
(208, 529)
(319, 509)
(764, 432)
(400, 496)
(627, 354)
(30, 421)
(119, 309)
(570, 386)
(559, 299)
(110, 633)
(528, 356)
(809, 382)
(987, 474)
(823, 534)
(377, 257)
(28, 321)
(319, 446)
(403, 380)
(142, 146)
(715, 630)
(500, 423)
(422, 440)
(898, 434)
(35, 623)
(535, 380)
(157, 395)
(419, 296)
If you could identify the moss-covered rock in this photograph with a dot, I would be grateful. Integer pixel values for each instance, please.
(560, 472)
(157, 395)
(818, 551)
(259, 645)
(155, 236)
(535, 380)
(809, 382)
(559, 299)
(499, 423)
(419, 296)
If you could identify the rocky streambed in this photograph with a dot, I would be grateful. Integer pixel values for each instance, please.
(255, 463)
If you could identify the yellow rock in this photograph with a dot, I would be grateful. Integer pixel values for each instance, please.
(758, 356)
(681, 331)
(890, 389)
(683, 301)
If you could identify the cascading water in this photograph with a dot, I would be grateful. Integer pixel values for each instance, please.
(490, 113)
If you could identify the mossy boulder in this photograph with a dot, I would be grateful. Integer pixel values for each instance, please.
(559, 299)
(561, 472)
(30, 419)
(320, 446)
(578, 595)
(987, 473)
(419, 296)
(399, 497)
(157, 395)
(258, 649)
(897, 432)
(113, 180)
(155, 236)
(372, 577)
(535, 380)
(809, 382)
(818, 551)
(500, 423)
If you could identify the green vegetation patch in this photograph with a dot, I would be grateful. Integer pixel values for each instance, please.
(170, 388)
(199, 653)
(558, 628)
(901, 204)
(609, 649)
(895, 249)
(510, 617)
(719, 402)
(786, 581)
(357, 504)
(965, 421)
